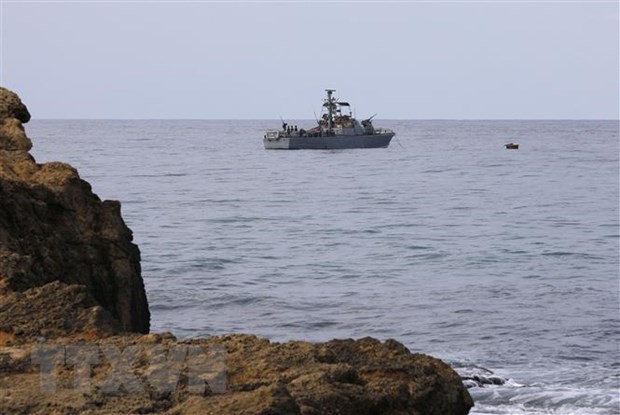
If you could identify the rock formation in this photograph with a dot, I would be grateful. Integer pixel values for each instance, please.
(344, 377)
(70, 283)
(54, 228)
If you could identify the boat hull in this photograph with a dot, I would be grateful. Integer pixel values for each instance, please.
(329, 143)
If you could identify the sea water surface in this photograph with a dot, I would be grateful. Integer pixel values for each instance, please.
(504, 263)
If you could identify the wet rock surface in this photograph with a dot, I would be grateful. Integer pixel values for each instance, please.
(480, 377)
(71, 293)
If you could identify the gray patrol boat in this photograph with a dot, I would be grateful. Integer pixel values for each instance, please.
(336, 129)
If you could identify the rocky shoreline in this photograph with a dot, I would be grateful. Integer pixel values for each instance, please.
(74, 320)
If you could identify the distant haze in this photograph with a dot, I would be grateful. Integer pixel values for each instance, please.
(419, 60)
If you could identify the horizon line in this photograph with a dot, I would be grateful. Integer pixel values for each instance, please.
(310, 119)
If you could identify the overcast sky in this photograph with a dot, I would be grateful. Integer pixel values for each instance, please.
(417, 60)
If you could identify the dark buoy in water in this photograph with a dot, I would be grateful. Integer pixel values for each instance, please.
(512, 146)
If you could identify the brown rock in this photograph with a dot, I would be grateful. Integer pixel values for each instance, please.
(12, 135)
(344, 377)
(53, 310)
(54, 228)
(11, 106)
(264, 400)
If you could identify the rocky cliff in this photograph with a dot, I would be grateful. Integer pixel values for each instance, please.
(53, 228)
(71, 295)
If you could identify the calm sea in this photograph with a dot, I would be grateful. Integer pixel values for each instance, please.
(502, 261)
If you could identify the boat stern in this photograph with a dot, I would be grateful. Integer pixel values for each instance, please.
(275, 140)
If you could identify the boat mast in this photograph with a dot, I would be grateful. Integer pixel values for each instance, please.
(330, 103)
